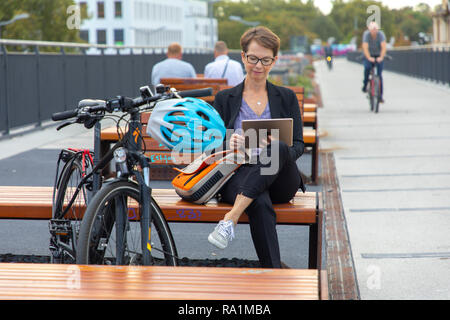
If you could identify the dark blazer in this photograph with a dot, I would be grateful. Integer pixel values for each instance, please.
(283, 104)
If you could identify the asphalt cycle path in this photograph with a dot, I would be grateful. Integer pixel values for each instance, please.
(394, 176)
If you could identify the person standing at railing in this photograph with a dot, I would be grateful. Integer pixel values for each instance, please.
(374, 49)
(223, 66)
(173, 66)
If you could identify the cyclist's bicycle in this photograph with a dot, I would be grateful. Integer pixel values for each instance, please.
(329, 62)
(122, 223)
(374, 86)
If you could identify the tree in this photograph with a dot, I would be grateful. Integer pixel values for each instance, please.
(47, 21)
(285, 18)
(325, 27)
(351, 18)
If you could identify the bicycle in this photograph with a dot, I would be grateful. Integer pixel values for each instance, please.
(374, 86)
(329, 62)
(118, 222)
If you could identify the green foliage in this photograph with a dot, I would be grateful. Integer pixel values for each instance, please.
(301, 18)
(47, 21)
(302, 81)
(285, 18)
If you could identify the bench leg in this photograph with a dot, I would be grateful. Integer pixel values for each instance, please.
(314, 163)
(313, 246)
(315, 238)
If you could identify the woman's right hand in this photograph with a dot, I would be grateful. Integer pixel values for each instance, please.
(237, 142)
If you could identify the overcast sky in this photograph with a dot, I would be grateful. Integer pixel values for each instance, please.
(325, 5)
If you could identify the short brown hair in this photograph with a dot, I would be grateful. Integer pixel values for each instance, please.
(220, 47)
(174, 49)
(263, 36)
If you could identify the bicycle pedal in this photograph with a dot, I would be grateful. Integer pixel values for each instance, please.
(60, 227)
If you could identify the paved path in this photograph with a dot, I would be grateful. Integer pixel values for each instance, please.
(394, 175)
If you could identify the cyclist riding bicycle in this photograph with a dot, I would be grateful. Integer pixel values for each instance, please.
(374, 49)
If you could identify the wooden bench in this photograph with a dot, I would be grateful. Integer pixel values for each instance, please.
(23, 281)
(304, 209)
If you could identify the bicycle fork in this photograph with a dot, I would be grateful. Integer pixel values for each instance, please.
(146, 217)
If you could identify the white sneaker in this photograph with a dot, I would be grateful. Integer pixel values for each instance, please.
(223, 232)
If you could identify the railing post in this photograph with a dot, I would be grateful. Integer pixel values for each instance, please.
(38, 85)
(5, 74)
(64, 77)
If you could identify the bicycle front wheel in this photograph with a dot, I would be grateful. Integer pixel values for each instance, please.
(377, 90)
(97, 242)
(371, 96)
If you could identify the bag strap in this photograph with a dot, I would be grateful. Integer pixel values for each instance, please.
(225, 69)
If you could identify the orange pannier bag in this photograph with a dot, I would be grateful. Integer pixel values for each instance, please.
(202, 179)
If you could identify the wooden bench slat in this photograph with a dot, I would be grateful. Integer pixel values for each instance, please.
(310, 107)
(54, 281)
(36, 203)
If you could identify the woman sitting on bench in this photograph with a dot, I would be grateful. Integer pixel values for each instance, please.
(249, 189)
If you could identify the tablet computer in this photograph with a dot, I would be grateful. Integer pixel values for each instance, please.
(260, 128)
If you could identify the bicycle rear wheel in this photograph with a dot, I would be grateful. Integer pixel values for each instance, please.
(97, 240)
(64, 228)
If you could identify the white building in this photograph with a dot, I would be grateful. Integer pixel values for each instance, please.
(148, 23)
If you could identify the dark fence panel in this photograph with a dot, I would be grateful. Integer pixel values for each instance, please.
(3, 90)
(23, 91)
(52, 85)
(35, 85)
(425, 63)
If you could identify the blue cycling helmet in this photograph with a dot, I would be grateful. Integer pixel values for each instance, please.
(186, 125)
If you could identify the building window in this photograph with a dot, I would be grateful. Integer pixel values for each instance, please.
(118, 37)
(100, 9)
(84, 35)
(83, 9)
(118, 9)
(101, 36)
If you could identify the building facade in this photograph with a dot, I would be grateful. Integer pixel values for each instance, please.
(153, 23)
(441, 23)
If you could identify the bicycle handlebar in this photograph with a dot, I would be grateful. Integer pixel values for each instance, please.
(122, 103)
(64, 115)
(362, 57)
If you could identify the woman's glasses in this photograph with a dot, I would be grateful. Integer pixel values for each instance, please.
(266, 61)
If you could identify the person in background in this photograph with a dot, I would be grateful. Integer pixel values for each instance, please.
(223, 66)
(173, 66)
(374, 49)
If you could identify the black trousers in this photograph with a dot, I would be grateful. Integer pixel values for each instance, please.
(265, 189)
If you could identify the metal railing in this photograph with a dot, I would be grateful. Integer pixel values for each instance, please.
(430, 62)
(34, 84)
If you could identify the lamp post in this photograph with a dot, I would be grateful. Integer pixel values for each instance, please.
(211, 18)
(247, 23)
(16, 17)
